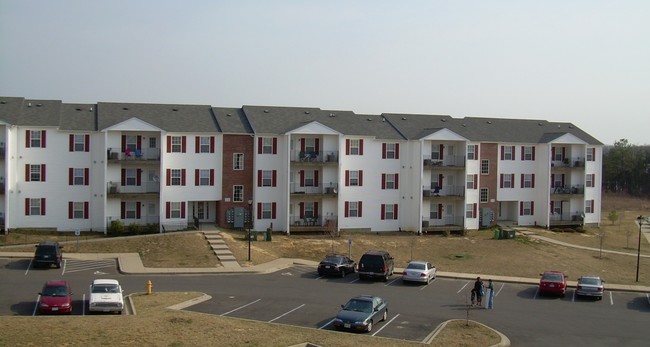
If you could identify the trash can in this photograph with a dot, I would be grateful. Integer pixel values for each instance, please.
(510, 233)
(268, 234)
(498, 234)
(252, 235)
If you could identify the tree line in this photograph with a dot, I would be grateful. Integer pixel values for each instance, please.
(626, 168)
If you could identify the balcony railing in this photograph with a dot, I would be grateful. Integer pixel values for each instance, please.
(145, 188)
(330, 189)
(447, 161)
(569, 190)
(315, 157)
(139, 154)
(567, 218)
(446, 221)
(435, 191)
(569, 162)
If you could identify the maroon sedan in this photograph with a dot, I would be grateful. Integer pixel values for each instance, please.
(56, 297)
(552, 282)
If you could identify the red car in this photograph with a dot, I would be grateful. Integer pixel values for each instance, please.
(56, 297)
(552, 282)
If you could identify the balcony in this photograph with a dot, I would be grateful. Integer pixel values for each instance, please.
(576, 189)
(445, 193)
(315, 158)
(331, 190)
(447, 223)
(116, 155)
(567, 163)
(146, 190)
(574, 218)
(450, 161)
(317, 224)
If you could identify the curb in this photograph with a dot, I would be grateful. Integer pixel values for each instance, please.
(505, 341)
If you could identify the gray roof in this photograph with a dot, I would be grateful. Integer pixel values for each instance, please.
(10, 109)
(168, 117)
(78, 117)
(232, 120)
(40, 113)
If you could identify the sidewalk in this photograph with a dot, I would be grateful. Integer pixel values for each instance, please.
(131, 263)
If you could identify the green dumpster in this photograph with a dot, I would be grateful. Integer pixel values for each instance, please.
(510, 233)
(497, 233)
(268, 234)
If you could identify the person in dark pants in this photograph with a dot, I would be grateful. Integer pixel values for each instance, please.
(477, 291)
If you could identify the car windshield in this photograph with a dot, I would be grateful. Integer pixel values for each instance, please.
(46, 249)
(553, 277)
(359, 306)
(334, 259)
(55, 291)
(105, 288)
(590, 280)
(416, 266)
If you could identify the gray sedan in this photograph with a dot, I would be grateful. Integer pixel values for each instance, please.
(419, 271)
(361, 312)
(593, 286)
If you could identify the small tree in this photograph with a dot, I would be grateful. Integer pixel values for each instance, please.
(331, 228)
(613, 217)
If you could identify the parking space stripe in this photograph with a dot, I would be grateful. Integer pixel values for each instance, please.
(38, 300)
(499, 291)
(327, 324)
(282, 315)
(29, 266)
(239, 308)
(611, 298)
(391, 282)
(463, 287)
(648, 297)
(385, 325)
(65, 262)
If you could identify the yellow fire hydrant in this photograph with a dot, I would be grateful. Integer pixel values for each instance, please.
(149, 287)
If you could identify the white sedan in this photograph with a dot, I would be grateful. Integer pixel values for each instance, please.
(419, 271)
(106, 296)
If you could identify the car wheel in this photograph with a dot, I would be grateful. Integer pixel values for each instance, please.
(383, 318)
(343, 273)
(369, 328)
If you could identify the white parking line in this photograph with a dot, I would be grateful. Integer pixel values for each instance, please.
(354, 280)
(38, 300)
(386, 324)
(463, 287)
(328, 323)
(426, 285)
(83, 304)
(65, 261)
(499, 291)
(648, 297)
(29, 266)
(239, 308)
(282, 315)
(611, 298)
(573, 298)
(536, 291)
(391, 282)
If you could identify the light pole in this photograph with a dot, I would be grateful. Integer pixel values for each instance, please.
(639, 220)
(250, 225)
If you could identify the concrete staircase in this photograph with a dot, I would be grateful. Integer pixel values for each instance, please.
(221, 249)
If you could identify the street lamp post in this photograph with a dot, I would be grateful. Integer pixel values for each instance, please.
(639, 221)
(250, 225)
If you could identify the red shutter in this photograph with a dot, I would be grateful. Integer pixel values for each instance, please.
(168, 211)
(86, 176)
(512, 149)
(383, 181)
(43, 207)
(212, 177)
(183, 209)
(28, 140)
(259, 178)
(43, 173)
(138, 177)
(439, 211)
(475, 181)
(169, 146)
(503, 152)
(197, 144)
(259, 210)
(532, 184)
(43, 137)
(86, 209)
(522, 180)
(475, 152)
(440, 179)
(196, 177)
(123, 177)
(316, 209)
(302, 210)
(273, 210)
(552, 206)
(275, 145)
(183, 146)
(533, 153)
(70, 176)
(521, 208)
(302, 144)
(124, 143)
(169, 177)
(383, 210)
(396, 181)
(552, 153)
(259, 145)
(138, 142)
(397, 151)
(122, 210)
(442, 151)
(316, 180)
(138, 209)
(211, 144)
(27, 172)
(71, 143)
(274, 179)
(532, 207)
(70, 210)
(395, 211)
(361, 147)
(360, 178)
(474, 210)
(317, 145)
(347, 178)
(347, 147)
(552, 180)
(522, 152)
(563, 153)
(302, 178)
(182, 177)
(383, 151)
(345, 212)
(26, 207)
(500, 180)
(360, 209)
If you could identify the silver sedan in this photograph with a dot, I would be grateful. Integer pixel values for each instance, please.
(419, 271)
(593, 286)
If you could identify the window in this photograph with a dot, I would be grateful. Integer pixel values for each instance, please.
(174, 209)
(470, 211)
(354, 147)
(389, 211)
(78, 210)
(436, 151)
(267, 145)
(435, 211)
(130, 177)
(35, 139)
(484, 195)
(390, 151)
(591, 154)
(353, 178)
(507, 152)
(353, 208)
(79, 143)
(176, 177)
(557, 153)
(34, 207)
(556, 207)
(79, 176)
(527, 153)
(527, 180)
(485, 167)
(131, 142)
(308, 178)
(308, 210)
(237, 193)
(204, 144)
(526, 208)
(590, 180)
(589, 206)
(472, 181)
(389, 181)
(153, 142)
(238, 161)
(267, 178)
(267, 210)
(35, 173)
(472, 152)
(204, 177)
(176, 144)
(507, 181)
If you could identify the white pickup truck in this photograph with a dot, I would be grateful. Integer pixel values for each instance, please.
(106, 296)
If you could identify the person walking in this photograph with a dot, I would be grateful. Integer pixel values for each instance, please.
(489, 304)
(478, 291)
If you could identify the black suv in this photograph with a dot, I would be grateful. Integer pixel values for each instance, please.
(376, 264)
(48, 253)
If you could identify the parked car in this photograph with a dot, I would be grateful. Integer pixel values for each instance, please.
(419, 271)
(56, 297)
(361, 313)
(593, 286)
(337, 265)
(106, 296)
(376, 264)
(552, 282)
(48, 253)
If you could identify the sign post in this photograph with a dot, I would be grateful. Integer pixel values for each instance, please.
(350, 248)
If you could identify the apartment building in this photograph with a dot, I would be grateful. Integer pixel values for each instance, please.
(293, 169)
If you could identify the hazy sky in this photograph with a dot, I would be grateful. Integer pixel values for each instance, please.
(585, 62)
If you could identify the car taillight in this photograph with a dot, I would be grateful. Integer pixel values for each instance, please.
(579, 287)
(423, 275)
(384, 268)
(600, 289)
